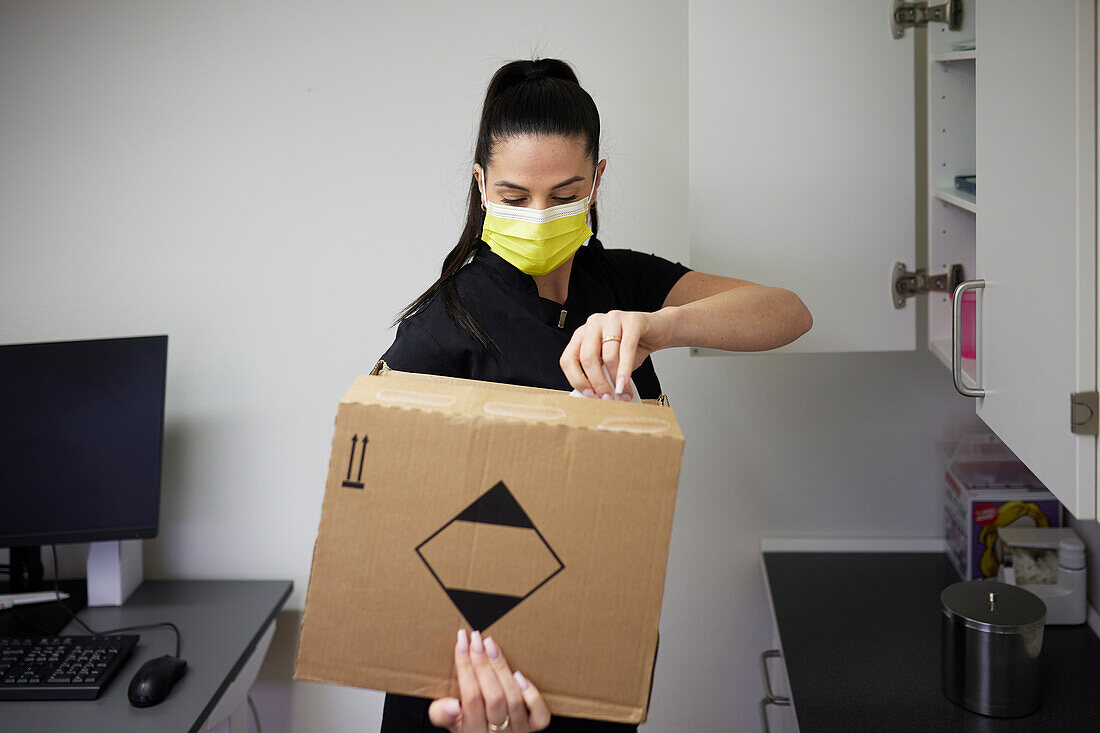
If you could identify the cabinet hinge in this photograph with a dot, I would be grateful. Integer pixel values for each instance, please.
(1082, 413)
(919, 14)
(905, 284)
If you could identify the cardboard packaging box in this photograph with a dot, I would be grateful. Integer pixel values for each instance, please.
(988, 489)
(538, 518)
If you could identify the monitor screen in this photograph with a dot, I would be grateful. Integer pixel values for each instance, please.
(81, 430)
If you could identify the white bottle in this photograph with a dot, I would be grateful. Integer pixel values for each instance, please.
(1072, 606)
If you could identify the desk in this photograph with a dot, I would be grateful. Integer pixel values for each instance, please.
(220, 622)
(861, 642)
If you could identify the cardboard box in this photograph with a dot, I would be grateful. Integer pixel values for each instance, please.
(538, 518)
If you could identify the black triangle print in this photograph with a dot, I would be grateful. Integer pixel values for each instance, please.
(497, 506)
(482, 610)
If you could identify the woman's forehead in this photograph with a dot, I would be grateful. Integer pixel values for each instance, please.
(538, 160)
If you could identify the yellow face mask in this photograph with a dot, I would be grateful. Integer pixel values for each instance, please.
(537, 241)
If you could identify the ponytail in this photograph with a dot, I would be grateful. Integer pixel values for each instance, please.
(541, 97)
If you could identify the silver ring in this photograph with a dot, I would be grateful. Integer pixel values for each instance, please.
(502, 726)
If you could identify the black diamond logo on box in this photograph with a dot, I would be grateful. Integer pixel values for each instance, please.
(490, 557)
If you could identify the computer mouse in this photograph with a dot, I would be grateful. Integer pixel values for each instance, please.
(154, 680)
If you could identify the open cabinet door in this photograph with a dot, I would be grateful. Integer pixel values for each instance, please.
(1036, 233)
(802, 160)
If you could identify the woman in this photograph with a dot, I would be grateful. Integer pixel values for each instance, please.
(521, 301)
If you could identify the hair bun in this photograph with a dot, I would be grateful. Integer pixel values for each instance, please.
(536, 73)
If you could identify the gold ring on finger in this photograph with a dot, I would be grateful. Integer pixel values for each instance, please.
(502, 726)
(610, 338)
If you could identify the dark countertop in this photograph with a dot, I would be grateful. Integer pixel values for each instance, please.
(861, 642)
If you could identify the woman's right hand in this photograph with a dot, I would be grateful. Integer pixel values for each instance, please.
(493, 698)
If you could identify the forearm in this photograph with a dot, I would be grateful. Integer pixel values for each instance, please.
(749, 318)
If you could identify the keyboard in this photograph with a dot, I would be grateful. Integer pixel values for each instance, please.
(60, 667)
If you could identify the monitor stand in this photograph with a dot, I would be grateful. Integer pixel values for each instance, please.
(36, 619)
(115, 571)
(25, 561)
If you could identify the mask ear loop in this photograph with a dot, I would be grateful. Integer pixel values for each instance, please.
(481, 189)
(591, 203)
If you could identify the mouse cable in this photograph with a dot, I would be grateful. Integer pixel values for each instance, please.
(255, 714)
(163, 626)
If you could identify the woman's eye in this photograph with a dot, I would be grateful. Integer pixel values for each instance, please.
(512, 201)
(566, 200)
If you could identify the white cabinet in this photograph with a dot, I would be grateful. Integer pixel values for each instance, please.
(1036, 249)
(800, 139)
(811, 181)
(951, 214)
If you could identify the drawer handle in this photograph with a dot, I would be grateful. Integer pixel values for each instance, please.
(764, 710)
(772, 698)
(956, 338)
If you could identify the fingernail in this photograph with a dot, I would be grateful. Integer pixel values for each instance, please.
(475, 643)
(491, 648)
(589, 393)
(607, 396)
(463, 645)
(521, 680)
(451, 707)
(620, 385)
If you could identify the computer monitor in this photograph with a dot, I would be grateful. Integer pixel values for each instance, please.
(81, 433)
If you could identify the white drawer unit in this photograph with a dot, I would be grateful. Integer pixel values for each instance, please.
(777, 713)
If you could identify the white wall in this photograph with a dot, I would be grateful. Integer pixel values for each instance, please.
(270, 182)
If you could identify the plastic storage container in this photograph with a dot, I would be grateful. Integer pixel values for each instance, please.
(989, 488)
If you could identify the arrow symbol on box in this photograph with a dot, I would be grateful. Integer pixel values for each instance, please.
(351, 458)
(358, 483)
(362, 455)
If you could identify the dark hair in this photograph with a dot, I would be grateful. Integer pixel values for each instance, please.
(540, 97)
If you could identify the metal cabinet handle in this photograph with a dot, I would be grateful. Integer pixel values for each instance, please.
(771, 696)
(956, 338)
(764, 710)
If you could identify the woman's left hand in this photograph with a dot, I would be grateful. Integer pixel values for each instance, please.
(619, 340)
(488, 690)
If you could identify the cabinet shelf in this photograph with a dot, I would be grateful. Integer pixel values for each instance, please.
(941, 347)
(952, 214)
(955, 197)
(949, 56)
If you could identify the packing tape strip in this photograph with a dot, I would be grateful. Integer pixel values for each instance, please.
(650, 425)
(409, 397)
(524, 412)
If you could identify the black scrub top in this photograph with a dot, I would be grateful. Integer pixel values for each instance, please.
(531, 333)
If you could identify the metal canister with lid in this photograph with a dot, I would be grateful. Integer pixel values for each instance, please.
(992, 639)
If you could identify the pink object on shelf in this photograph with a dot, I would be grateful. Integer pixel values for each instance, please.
(968, 317)
(969, 307)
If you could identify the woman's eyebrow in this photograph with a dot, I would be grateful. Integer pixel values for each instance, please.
(517, 187)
